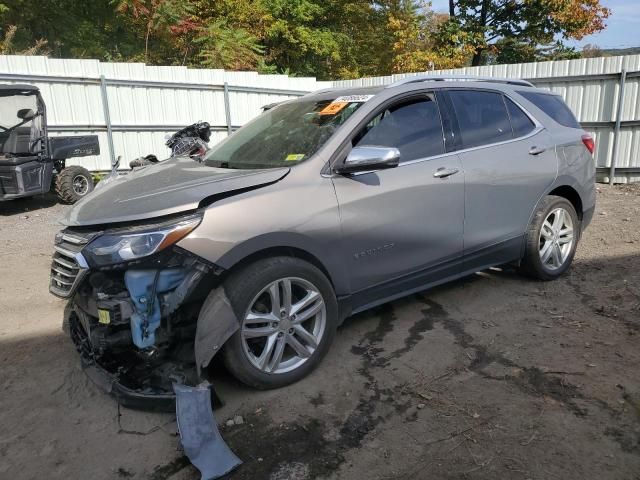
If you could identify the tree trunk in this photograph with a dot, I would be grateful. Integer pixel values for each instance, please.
(146, 43)
(477, 58)
(452, 8)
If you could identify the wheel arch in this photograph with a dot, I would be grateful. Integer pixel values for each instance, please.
(325, 258)
(566, 187)
(571, 194)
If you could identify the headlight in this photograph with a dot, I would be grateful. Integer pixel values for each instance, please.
(131, 244)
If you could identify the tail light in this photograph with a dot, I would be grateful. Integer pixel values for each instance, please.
(589, 143)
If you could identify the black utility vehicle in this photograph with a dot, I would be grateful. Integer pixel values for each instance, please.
(29, 158)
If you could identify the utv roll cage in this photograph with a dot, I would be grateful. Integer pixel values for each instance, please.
(29, 158)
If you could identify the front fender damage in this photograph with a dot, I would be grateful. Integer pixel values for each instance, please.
(141, 329)
(217, 322)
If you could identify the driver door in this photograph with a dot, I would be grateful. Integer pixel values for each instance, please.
(402, 227)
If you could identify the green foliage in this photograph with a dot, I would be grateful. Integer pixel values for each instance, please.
(523, 30)
(323, 38)
(227, 47)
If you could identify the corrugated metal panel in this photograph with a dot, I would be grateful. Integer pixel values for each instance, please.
(74, 102)
(590, 86)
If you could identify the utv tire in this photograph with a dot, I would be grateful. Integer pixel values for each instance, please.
(73, 183)
(251, 291)
(551, 239)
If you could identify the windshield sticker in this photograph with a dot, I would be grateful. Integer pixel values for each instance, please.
(333, 108)
(294, 157)
(353, 98)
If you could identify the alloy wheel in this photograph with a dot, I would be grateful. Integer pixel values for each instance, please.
(556, 238)
(80, 185)
(284, 325)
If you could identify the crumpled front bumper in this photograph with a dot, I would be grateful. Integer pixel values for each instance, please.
(115, 380)
(127, 397)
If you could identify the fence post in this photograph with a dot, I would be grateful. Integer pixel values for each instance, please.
(107, 118)
(227, 109)
(616, 129)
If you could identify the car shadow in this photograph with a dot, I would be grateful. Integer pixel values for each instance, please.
(27, 204)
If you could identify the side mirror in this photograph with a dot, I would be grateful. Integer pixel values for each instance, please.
(364, 159)
(26, 114)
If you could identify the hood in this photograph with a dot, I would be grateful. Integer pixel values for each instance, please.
(173, 186)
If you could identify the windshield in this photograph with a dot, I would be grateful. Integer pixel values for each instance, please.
(13, 109)
(20, 125)
(285, 135)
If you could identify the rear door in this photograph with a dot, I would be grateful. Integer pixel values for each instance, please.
(402, 227)
(509, 160)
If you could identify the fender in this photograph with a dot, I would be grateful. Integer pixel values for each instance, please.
(217, 321)
(323, 251)
(560, 181)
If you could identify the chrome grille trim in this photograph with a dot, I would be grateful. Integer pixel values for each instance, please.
(68, 266)
(67, 237)
(64, 263)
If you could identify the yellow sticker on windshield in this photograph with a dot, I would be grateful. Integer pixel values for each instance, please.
(333, 108)
(294, 157)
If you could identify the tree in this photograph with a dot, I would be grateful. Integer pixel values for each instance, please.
(7, 47)
(416, 47)
(156, 15)
(532, 29)
(226, 47)
(591, 51)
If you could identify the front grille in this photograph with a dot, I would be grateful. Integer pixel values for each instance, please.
(68, 266)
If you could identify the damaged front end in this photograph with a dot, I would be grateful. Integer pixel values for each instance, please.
(134, 307)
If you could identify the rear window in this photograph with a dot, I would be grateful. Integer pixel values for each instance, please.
(554, 106)
(482, 117)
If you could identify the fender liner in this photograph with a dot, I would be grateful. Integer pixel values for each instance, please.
(216, 323)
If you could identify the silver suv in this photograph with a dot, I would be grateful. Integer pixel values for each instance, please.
(319, 208)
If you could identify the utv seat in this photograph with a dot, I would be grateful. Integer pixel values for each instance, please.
(15, 147)
(17, 141)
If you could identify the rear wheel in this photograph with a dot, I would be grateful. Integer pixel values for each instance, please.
(552, 239)
(73, 183)
(288, 316)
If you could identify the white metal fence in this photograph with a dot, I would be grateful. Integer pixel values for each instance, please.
(132, 106)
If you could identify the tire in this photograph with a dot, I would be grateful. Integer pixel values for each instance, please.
(73, 183)
(246, 292)
(546, 255)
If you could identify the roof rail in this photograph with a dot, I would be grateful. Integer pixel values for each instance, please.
(468, 78)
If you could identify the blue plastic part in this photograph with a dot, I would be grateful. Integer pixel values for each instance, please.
(199, 432)
(139, 283)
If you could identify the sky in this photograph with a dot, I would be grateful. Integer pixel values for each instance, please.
(623, 25)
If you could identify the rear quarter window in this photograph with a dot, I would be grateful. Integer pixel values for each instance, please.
(520, 122)
(554, 106)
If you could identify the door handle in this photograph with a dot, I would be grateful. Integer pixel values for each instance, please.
(445, 172)
(535, 150)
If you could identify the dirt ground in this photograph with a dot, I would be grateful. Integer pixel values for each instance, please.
(494, 376)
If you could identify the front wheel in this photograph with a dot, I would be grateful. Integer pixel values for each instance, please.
(288, 315)
(552, 239)
(73, 183)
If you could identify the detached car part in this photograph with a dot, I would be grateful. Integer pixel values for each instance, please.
(199, 433)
